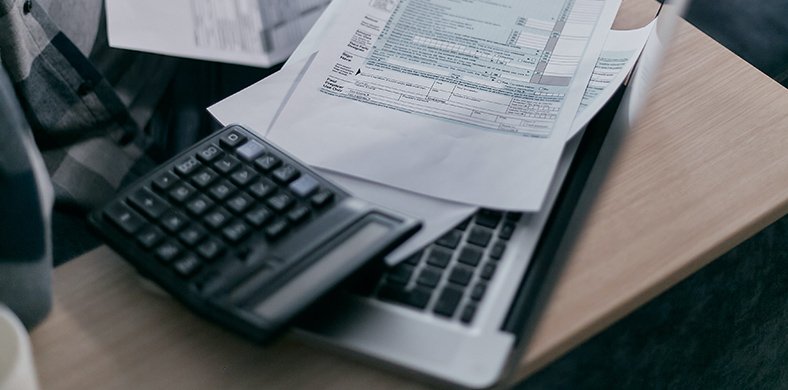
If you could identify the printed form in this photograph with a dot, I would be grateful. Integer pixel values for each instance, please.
(466, 101)
(250, 32)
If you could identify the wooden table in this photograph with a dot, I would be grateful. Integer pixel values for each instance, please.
(705, 169)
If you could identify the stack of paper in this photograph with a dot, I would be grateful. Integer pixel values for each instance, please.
(435, 108)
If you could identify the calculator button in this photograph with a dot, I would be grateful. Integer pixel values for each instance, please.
(299, 214)
(164, 181)
(497, 250)
(173, 221)
(250, 150)
(168, 251)
(210, 249)
(305, 186)
(451, 239)
(239, 203)
(204, 178)
(259, 216)
(262, 188)
(222, 190)
(470, 255)
(489, 218)
(232, 139)
(149, 237)
(507, 230)
(285, 174)
(267, 163)
(429, 277)
(182, 192)
(209, 153)
(125, 218)
(243, 176)
(187, 166)
(280, 202)
(217, 218)
(148, 203)
(199, 205)
(478, 291)
(187, 266)
(467, 313)
(277, 228)
(236, 231)
(226, 164)
(192, 235)
(439, 257)
(322, 198)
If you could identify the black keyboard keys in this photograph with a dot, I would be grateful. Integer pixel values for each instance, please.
(448, 300)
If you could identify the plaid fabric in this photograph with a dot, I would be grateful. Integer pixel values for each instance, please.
(87, 137)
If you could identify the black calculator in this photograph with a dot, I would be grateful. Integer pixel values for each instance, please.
(245, 234)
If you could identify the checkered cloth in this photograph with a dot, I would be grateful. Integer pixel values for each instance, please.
(87, 137)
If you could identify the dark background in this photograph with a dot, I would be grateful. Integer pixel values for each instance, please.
(726, 326)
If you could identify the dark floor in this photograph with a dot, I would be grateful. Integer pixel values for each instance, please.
(726, 326)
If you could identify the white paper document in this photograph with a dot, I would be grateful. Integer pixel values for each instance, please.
(249, 32)
(475, 109)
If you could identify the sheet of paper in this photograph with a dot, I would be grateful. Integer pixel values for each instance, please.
(247, 32)
(619, 55)
(256, 107)
(415, 139)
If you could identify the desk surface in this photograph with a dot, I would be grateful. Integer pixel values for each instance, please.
(704, 170)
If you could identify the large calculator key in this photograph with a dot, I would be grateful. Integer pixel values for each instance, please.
(232, 139)
(148, 203)
(304, 186)
(250, 151)
(125, 218)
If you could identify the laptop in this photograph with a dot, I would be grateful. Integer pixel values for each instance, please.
(431, 316)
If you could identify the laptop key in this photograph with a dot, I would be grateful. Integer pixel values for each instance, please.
(429, 277)
(439, 257)
(480, 236)
(497, 250)
(448, 301)
(461, 275)
(478, 291)
(467, 313)
(507, 230)
(470, 255)
(400, 274)
(451, 239)
(489, 218)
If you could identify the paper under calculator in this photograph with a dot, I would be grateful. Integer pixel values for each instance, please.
(243, 233)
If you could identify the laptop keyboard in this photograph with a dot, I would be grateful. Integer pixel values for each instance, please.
(450, 277)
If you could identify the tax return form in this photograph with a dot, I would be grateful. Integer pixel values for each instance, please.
(258, 105)
(465, 101)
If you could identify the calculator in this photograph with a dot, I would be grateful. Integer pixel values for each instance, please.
(245, 234)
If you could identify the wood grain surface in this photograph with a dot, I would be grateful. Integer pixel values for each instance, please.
(705, 169)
